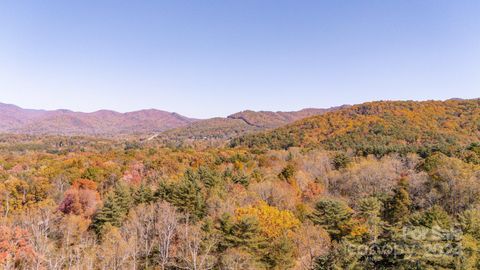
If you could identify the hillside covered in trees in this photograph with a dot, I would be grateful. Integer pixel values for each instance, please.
(381, 127)
(220, 129)
(381, 185)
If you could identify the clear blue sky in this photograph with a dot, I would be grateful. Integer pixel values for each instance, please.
(212, 58)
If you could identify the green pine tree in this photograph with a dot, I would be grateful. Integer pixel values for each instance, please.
(209, 178)
(244, 233)
(435, 216)
(187, 195)
(114, 209)
(143, 194)
(370, 210)
(397, 209)
(334, 216)
(280, 254)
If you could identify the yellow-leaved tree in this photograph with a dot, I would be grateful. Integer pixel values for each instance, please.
(272, 221)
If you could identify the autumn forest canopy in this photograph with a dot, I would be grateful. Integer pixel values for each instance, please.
(378, 185)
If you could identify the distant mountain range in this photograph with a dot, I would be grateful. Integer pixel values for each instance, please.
(14, 119)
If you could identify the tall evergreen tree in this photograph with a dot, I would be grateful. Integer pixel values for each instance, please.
(334, 216)
(397, 209)
(209, 178)
(114, 210)
(143, 194)
(280, 254)
(370, 210)
(187, 195)
(244, 233)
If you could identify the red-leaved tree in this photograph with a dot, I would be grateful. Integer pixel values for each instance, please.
(81, 199)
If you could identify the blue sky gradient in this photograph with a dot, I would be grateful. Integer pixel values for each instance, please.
(214, 58)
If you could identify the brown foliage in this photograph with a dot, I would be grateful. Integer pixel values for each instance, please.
(15, 249)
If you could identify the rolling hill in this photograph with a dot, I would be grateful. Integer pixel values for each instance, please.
(266, 119)
(380, 127)
(238, 124)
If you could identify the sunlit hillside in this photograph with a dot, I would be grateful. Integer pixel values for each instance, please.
(381, 127)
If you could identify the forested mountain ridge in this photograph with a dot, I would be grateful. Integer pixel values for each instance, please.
(238, 124)
(267, 119)
(380, 127)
